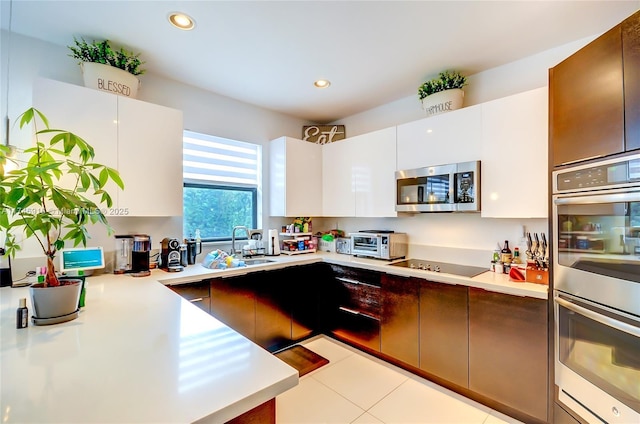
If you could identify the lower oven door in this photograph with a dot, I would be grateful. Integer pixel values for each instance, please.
(597, 360)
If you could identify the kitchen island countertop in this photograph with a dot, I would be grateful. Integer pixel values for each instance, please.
(138, 353)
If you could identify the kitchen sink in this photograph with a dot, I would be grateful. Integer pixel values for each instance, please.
(258, 261)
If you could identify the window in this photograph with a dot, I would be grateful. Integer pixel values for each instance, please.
(221, 184)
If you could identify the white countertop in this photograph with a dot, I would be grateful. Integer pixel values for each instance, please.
(138, 353)
(488, 281)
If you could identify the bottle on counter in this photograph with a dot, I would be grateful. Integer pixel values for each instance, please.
(22, 314)
(505, 254)
(516, 256)
(495, 259)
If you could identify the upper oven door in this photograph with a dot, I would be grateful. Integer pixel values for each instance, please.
(596, 246)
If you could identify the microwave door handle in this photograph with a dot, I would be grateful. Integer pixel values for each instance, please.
(609, 322)
(599, 198)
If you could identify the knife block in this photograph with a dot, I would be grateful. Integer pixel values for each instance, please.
(537, 275)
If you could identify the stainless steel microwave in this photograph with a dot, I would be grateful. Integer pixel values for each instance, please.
(442, 188)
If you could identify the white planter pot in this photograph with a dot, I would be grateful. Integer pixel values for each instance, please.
(443, 101)
(108, 78)
(52, 305)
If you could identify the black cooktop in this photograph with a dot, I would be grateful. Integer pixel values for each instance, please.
(447, 268)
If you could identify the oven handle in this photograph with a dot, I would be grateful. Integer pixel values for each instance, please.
(609, 322)
(633, 196)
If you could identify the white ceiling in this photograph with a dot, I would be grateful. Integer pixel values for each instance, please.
(268, 53)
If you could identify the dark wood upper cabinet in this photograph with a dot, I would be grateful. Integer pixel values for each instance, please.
(631, 56)
(400, 321)
(586, 102)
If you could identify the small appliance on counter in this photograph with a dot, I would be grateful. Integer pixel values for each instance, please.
(140, 255)
(343, 245)
(194, 248)
(170, 255)
(273, 243)
(124, 254)
(379, 244)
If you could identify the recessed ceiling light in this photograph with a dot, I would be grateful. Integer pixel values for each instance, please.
(181, 21)
(322, 83)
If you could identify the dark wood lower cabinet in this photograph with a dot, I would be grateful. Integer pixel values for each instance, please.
(355, 306)
(233, 303)
(273, 316)
(399, 327)
(197, 293)
(488, 346)
(444, 331)
(508, 350)
(261, 414)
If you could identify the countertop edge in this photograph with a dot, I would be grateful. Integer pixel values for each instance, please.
(488, 280)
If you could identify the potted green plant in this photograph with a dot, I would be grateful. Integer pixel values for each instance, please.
(107, 69)
(37, 204)
(442, 94)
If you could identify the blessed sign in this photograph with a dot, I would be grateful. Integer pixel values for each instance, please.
(323, 134)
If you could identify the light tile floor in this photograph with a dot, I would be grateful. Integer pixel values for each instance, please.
(355, 387)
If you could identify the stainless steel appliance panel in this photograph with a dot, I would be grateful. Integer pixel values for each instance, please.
(442, 188)
(597, 365)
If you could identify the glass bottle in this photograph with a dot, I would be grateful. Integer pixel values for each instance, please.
(505, 253)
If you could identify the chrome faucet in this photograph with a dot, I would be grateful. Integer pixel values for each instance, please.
(233, 250)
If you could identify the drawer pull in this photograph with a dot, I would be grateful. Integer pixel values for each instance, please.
(197, 299)
(354, 312)
(360, 283)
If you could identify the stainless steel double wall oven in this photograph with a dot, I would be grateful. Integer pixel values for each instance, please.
(596, 253)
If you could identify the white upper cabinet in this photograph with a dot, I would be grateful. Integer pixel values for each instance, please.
(338, 184)
(295, 177)
(514, 156)
(446, 138)
(141, 140)
(149, 158)
(374, 173)
(89, 114)
(358, 175)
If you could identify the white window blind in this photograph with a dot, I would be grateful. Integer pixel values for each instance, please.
(217, 160)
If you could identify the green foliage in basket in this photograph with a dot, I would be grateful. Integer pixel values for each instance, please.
(446, 80)
(102, 52)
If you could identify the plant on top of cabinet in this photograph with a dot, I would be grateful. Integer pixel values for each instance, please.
(102, 52)
(104, 68)
(449, 84)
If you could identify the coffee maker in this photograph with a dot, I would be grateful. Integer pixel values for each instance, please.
(140, 255)
(124, 250)
(170, 256)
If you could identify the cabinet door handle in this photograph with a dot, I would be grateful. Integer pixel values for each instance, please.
(197, 299)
